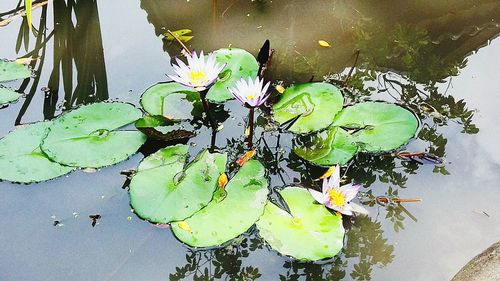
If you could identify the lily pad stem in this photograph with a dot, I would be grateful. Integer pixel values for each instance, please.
(250, 125)
(206, 107)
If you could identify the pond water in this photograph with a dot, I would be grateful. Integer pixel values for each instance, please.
(441, 55)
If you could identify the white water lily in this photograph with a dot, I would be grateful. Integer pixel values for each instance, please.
(250, 93)
(338, 197)
(200, 72)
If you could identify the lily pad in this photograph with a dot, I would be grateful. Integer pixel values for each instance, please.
(327, 148)
(7, 95)
(239, 63)
(160, 128)
(10, 70)
(231, 213)
(21, 159)
(378, 126)
(315, 103)
(163, 190)
(172, 100)
(88, 136)
(310, 232)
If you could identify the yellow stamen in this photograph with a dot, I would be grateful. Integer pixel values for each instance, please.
(250, 97)
(336, 198)
(197, 77)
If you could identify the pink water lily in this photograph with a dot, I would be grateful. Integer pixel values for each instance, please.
(250, 93)
(200, 72)
(338, 197)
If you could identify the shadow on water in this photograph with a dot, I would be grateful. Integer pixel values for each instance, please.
(409, 57)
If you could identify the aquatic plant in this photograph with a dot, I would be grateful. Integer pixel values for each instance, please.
(11, 70)
(335, 196)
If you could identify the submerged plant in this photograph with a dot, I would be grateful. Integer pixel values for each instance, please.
(337, 197)
(251, 94)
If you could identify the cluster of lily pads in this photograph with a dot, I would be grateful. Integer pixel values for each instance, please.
(203, 206)
(11, 70)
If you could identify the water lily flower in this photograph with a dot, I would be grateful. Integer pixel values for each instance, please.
(338, 197)
(250, 93)
(200, 72)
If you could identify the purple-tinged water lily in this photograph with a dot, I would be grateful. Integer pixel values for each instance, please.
(250, 93)
(338, 197)
(200, 72)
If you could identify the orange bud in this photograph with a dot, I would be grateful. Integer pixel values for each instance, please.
(223, 180)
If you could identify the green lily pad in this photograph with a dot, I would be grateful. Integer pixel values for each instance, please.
(326, 148)
(231, 214)
(378, 126)
(10, 70)
(21, 159)
(172, 100)
(311, 232)
(160, 128)
(88, 136)
(163, 190)
(315, 103)
(7, 95)
(239, 63)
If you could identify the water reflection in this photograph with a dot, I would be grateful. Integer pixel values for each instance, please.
(78, 58)
(366, 248)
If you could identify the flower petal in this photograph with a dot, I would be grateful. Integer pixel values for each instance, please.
(317, 196)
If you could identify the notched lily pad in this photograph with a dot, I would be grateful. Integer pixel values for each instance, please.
(88, 137)
(232, 211)
(8, 96)
(172, 100)
(21, 159)
(11, 70)
(160, 128)
(378, 126)
(309, 232)
(330, 147)
(315, 105)
(239, 63)
(163, 190)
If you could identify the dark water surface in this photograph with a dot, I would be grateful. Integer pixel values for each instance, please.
(410, 52)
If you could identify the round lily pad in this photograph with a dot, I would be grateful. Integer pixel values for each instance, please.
(232, 212)
(378, 126)
(239, 63)
(164, 190)
(7, 95)
(21, 159)
(11, 70)
(88, 136)
(310, 232)
(314, 104)
(330, 147)
(172, 100)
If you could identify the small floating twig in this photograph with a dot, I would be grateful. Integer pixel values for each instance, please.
(179, 41)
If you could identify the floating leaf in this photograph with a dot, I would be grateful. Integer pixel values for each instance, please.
(378, 126)
(239, 63)
(10, 70)
(7, 95)
(179, 34)
(247, 156)
(223, 180)
(315, 105)
(309, 232)
(225, 219)
(280, 89)
(325, 44)
(160, 128)
(21, 159)
(171, 100)
(88, 136)
(330, 147)
(163, 190)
